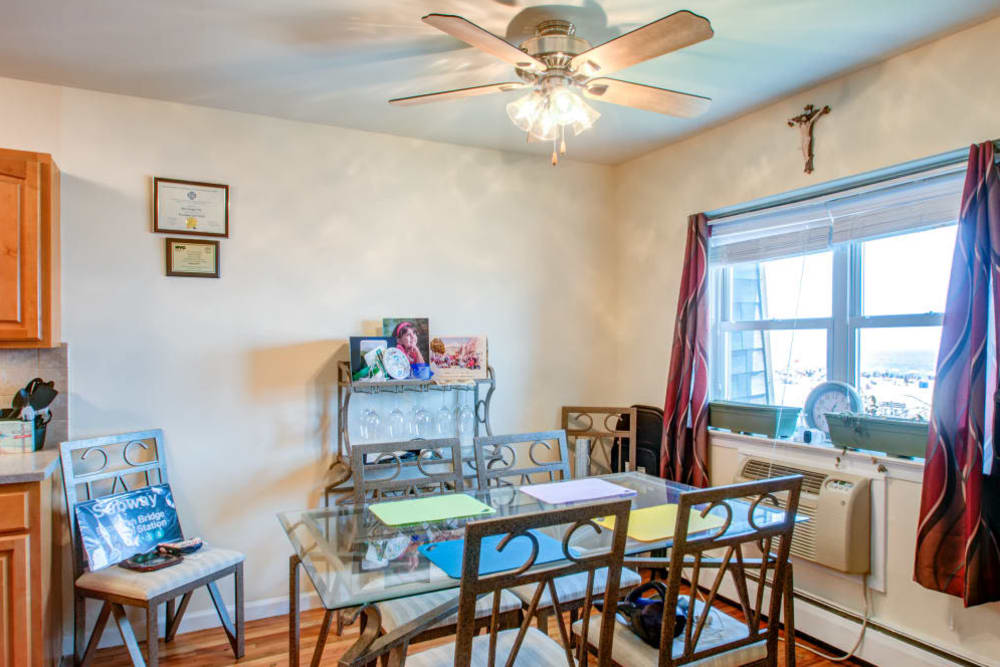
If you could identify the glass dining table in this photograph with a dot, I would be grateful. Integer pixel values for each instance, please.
(354, 561)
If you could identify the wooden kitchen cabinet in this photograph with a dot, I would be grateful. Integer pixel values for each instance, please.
(31, 560)
(29, 250)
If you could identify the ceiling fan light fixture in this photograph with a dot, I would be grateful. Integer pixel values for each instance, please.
(525, 110)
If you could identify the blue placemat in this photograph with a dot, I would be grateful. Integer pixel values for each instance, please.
(448, 555)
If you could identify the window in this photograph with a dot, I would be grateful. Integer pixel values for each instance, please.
(850, 288)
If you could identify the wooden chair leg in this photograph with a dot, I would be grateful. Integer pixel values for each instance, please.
(152, 634)
(789, 603)
(542, 620)
(128, 637)
(95, 636)
(79, 626)
(240, 649)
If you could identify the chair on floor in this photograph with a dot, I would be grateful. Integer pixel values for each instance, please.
(524, 645)
(381, 473)
(710, 637)
(99, 467)
(496, 466)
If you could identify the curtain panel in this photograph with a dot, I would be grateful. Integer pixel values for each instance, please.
(684, 450)
(958, 535)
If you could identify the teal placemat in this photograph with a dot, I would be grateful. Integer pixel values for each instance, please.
(431, 508)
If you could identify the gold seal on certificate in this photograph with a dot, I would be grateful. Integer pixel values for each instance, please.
(190, 207)
(193, 258)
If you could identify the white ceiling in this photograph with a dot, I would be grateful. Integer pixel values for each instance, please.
(339, 61)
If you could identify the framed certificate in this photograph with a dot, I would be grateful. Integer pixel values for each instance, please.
(190, 207)
(192, 258)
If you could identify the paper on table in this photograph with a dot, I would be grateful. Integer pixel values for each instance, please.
(577, 490)
(431, 508)
(651, 524)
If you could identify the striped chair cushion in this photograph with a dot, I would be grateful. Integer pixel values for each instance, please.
(573, 587)
(537, 649)
(403, 610)
(629, 649)
(147, 585)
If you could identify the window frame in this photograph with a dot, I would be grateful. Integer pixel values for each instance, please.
(843, 327)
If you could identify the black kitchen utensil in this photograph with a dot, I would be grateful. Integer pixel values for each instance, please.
(41, 393)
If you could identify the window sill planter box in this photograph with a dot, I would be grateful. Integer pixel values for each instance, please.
(773, 421)
(896, 437)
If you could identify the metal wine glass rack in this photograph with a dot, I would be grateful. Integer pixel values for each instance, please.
(340, 470)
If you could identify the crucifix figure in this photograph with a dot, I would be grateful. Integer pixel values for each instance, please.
(806, 121)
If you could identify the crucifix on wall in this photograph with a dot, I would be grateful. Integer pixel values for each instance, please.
(806, 121)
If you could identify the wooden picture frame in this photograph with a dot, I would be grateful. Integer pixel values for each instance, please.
(179, 207)
(188, 264)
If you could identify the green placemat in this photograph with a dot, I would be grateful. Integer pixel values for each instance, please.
(431, 508)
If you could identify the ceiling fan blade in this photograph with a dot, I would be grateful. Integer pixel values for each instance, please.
(670, 33)
(650, 98)
(458, 93)
(470, 33)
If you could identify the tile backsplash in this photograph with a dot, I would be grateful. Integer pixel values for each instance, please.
(18, 367)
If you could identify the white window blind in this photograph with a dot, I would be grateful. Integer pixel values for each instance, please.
(922, 201)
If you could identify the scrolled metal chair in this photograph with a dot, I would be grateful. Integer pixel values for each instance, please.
(497, 466)
(103, 466)
(383, 473)
(709, 637)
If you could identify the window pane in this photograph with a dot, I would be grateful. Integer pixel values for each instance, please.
(907, 273)
(777, 367)
(786, 288)
(897, 370)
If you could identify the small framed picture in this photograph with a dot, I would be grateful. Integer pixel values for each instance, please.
(190, 207)
(192, 258)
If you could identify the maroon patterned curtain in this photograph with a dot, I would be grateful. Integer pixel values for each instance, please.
(958, 538)
(684, 452)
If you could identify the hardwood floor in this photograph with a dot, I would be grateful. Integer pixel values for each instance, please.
(267, 644)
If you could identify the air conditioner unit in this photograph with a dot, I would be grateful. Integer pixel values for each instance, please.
(838, 505)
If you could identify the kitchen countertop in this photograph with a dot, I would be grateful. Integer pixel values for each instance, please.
(29, 467)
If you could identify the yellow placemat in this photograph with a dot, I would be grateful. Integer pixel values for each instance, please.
(651, 524)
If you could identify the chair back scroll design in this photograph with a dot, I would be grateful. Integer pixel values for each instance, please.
(601, 426)
(475, 586)
(496, 458)
(772, 539)
(436, 468)
(98, 467)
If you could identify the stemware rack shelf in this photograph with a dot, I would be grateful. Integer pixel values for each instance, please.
(340, 470)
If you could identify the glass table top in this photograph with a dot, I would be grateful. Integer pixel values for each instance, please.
(352, 558)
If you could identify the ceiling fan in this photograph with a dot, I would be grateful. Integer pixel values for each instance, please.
(557, 65)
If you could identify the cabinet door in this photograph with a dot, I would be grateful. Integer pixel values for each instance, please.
(15, 634)
(19, 249)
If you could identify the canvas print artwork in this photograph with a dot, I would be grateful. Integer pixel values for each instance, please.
(458, 358)
(411, 334)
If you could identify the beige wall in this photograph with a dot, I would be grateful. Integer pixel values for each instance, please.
(329, 228)
(936, 98)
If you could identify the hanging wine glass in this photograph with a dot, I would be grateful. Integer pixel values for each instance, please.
(396, 422)
(411, 418)
(425, 423)
(445, 419)
(370, 423)
(466, 422)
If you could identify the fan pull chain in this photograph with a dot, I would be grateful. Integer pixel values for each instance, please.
(555, 156)
(562, 136)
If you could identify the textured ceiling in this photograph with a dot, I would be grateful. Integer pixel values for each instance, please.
(338, 61)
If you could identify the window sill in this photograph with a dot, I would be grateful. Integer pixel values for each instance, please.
(870, 464)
